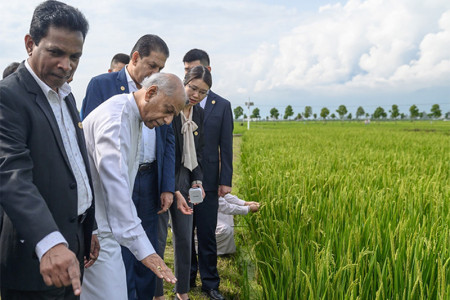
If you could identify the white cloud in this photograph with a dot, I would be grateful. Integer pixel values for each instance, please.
(272, 53)
(433, 65)
(362, 44)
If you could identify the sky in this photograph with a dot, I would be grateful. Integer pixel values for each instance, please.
(318, 53)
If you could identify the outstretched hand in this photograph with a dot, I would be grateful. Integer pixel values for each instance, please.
(253, 206)
(157, 265)
(182, 204)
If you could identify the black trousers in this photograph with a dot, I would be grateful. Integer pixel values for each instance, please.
(205, 221)
(64, 293)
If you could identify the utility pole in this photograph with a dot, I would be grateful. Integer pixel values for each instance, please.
(248, 104)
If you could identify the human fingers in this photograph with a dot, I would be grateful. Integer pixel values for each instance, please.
(166, 273)
(89, 263)
(55, 263)
(74, 275)
(184, 208)
(95, 248)
(57, 281)
(47, 279)
(155, 263)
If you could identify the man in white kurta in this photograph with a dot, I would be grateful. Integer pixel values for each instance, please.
(230, 205)
(113, 137)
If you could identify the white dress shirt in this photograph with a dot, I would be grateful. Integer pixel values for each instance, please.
(113, 136)
(232, 205)
(203, 102)
(147, 150)
(69, 138)
(228, 206)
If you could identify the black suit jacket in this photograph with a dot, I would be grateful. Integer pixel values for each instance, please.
(218, 129)
(197, 173)
(38, 190)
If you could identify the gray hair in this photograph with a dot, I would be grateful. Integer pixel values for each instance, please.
(169, 84)
(162, 81)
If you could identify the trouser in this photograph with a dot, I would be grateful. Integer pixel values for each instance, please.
(205, 221)
(182, 235)
(141, 281)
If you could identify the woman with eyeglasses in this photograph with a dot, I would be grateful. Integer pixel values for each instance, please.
(188, 129)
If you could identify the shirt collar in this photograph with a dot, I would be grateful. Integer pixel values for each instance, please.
(63, 91)
(131, 84)
(203, 102)
(134, 106)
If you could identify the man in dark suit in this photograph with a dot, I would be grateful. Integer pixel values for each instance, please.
(46, 188)
(217, 174)
(155, 182)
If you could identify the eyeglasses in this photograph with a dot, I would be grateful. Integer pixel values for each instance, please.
(196, 89)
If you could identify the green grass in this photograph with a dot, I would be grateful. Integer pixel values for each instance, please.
(349, 211)
(230, 284)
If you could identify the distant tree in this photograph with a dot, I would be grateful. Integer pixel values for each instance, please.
(324, 112)
(288, 112)
(367, 115)
(315, 116)
(238, 111)
(436, 111)
(298, 117)
(379, 113)
(245, 116)
(255, 113)
(447, 115)
(394, 112)
(333, 116)
(360, 112)
(414, 111)
(274, 113)
(308, 112)
(402, 116)
(342, 110)
(349, 116)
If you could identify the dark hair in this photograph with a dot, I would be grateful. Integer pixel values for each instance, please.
(57, 14)
(10, 69)
(149, 43)
(198, 72)
(197, 54)
(120, 58)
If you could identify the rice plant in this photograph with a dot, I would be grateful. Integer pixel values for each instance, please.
(349, 211)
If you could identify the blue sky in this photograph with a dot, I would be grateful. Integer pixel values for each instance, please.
(275, 53)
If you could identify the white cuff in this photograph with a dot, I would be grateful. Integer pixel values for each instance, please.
(141, 247)
(48, 242)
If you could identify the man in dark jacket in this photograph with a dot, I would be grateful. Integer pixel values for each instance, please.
(45, 184)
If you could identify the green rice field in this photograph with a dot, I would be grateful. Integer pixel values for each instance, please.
(349, 211)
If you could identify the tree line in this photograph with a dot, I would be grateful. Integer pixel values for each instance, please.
(342, 113)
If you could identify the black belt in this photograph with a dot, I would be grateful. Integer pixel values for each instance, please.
(146, 166)
(82, 217)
